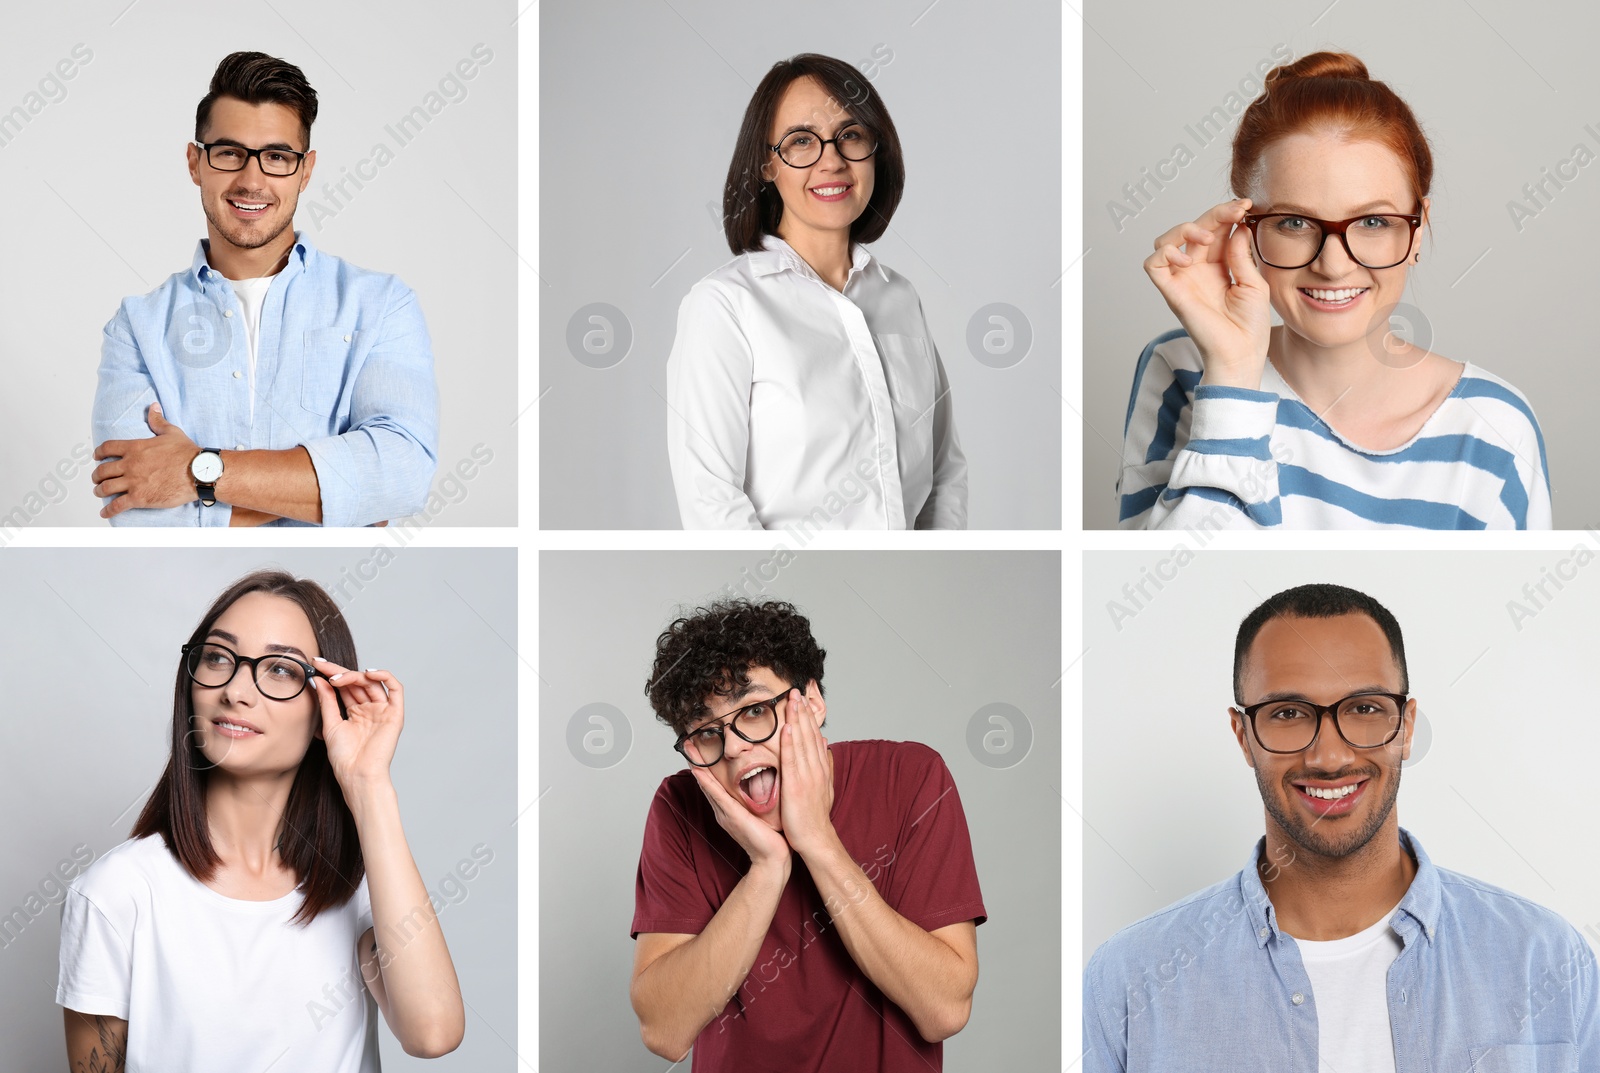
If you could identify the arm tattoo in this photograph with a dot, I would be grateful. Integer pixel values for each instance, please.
(111, 1056)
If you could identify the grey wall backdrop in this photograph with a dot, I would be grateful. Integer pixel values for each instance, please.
(1499, 647)
(641, 106)
(88, 648)
(919, 644)
(1505, 92)
(102, 207)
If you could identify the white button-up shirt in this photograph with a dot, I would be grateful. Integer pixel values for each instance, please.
(794, 406)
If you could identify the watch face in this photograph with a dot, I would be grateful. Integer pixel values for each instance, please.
(206, 467)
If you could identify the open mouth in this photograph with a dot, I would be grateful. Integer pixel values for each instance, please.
(1331, 299)
(230, 729)
(1335, 799)
(833, 192)
(249, 210)
(759, 788)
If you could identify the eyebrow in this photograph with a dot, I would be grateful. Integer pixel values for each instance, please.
(226, 636)
(241, 145)
(735, 696)
(1289, 694)
(1363, 210)
(843, 123)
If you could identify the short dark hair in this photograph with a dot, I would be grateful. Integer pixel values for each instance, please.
(752, 207)
(1317, 601)
(256, 78)
(319, 838)
(712, 650)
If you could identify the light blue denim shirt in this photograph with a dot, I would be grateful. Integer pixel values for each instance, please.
(344, 369)
(1487, 982)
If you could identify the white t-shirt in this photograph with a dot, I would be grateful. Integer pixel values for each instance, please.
(208, 982)
(1349, 984)
(252, 294)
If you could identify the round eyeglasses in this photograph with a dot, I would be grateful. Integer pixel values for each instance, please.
(1289, 240)
(277, 677)
(803, 148)
(227, 157)
(755, 723)
(1363, 720)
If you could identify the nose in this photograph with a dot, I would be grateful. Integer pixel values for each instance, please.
(1330, 752)
(733, 746)
(1334, 259)
(241, 688)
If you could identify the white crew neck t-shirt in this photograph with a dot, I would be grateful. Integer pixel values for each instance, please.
(1349, 984)
(208, 982)
(252, 294)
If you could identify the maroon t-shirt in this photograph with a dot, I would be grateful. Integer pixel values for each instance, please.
(805, 1005)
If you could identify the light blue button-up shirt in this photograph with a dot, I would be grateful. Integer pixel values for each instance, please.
(1487, 982)
(344, 369)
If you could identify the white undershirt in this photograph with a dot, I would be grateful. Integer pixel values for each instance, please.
(1349, 984)
(252, 295)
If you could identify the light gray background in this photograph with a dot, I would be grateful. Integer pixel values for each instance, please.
(1499, 782)
(641, 106)
(917, 643)
(1502, 89)
(101, 206)
(87, 658)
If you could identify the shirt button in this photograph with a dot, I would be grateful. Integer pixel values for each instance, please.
(347, 338)
(1263, 933)
(238, 447)
(1297, 998)
(227, 312)
(236, 374)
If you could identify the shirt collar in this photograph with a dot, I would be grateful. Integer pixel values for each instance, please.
(776, 255)
(1419, 909)
(200, 269)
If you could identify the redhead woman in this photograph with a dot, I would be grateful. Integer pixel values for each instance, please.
(1328, 420)
(804, 390)
(266, 909)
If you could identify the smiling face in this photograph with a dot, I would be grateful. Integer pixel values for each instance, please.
(829, 195)
(1324, 660)
(1334, 301)
(741, 759)
(237, 729)
(272, 198)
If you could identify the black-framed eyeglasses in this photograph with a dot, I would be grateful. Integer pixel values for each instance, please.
(755, 723)
(1363, 720)
(224, 156)
(1373, 240)
(277, 676)
(802, 148)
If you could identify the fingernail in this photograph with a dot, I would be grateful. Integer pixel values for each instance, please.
(319, 659)
(335, 677)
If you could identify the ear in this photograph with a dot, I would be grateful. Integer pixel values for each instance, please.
(814, 694)
(1410, 720)
(1241, 733)
(192, 153)
(305, 169)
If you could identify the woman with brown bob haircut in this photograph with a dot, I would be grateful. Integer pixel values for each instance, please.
(804, 389)
(236, 928)
(1328, 420)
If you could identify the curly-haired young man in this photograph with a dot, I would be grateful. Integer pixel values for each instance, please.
(268, 383)
(799, 905)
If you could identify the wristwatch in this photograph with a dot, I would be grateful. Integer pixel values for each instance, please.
(206, 469)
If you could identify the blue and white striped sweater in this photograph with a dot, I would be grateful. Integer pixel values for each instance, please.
(1219, 458)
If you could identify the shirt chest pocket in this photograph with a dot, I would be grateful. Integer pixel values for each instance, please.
(908, 367)
(326, 367)
(1525, 1058)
